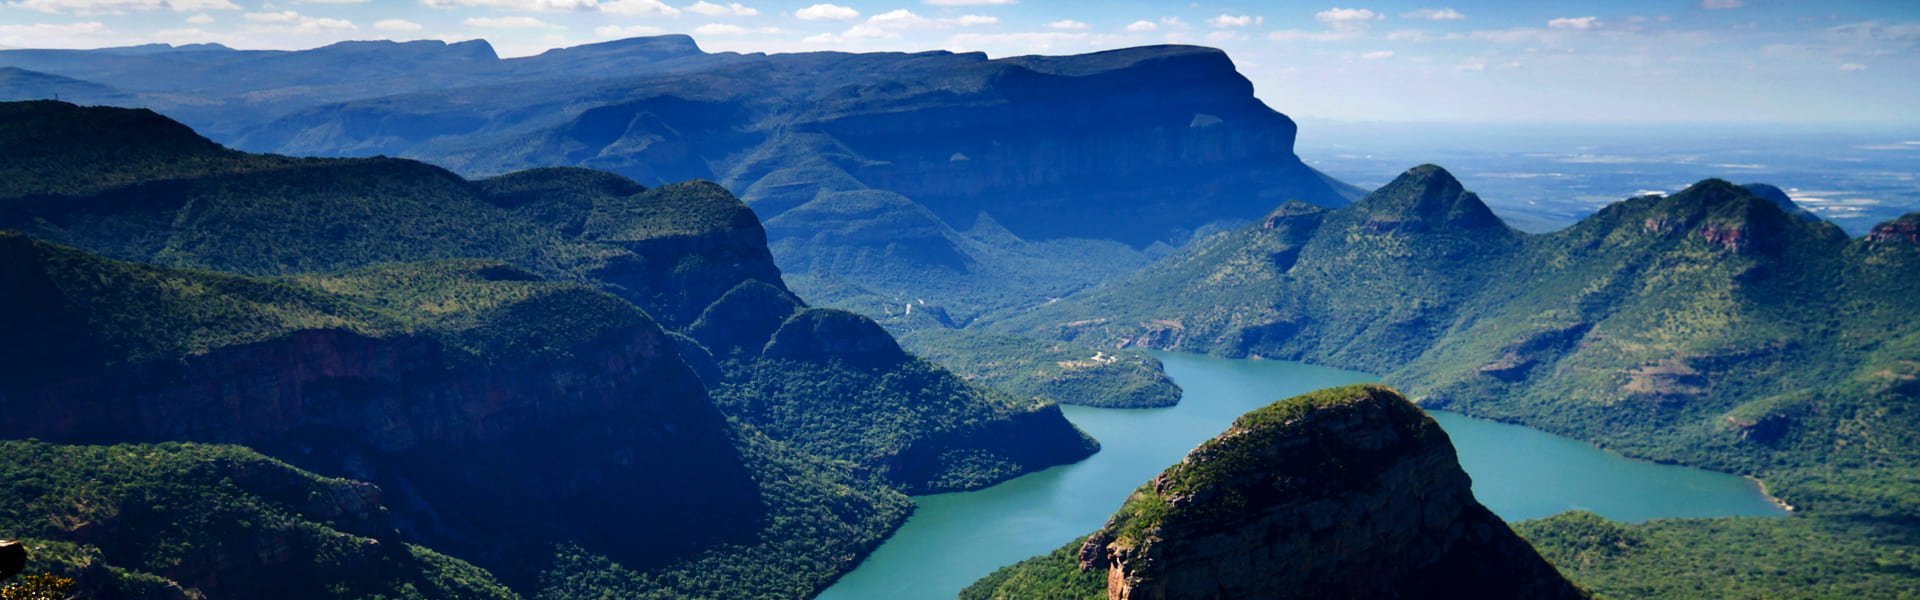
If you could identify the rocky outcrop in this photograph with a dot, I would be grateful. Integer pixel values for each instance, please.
(1345, 493)
(1902, 231)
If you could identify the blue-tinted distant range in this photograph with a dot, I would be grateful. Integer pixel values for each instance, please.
(1395, 60)
(1543, 178)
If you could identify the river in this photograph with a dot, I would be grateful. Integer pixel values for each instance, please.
(1520, 473)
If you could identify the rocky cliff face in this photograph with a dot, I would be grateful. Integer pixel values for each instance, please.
(1345, 493)
(1904, 230)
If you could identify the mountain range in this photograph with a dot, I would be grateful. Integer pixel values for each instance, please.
(970, 183)
(1715, 327)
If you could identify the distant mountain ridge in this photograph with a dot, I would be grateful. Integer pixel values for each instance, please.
(1025, 177)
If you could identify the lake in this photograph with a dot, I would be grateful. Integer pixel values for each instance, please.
(1520, 473)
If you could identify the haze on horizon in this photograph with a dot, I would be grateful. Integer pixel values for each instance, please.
(1645, 61)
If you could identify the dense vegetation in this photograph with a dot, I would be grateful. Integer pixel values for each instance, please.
(1819, 556)
(1052, 576)
(514, 274)
(142, 521)
(1062, 372)
(1710, 327)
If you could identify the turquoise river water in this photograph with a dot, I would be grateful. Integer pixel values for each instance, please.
(1520, 473)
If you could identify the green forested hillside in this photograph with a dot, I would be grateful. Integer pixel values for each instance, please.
(495, 290)
(1710, 327)
(153, 521)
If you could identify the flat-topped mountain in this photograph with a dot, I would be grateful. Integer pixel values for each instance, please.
(1344, 493)
(1024, 178)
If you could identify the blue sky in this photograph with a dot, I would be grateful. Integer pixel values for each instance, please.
(1645, 61)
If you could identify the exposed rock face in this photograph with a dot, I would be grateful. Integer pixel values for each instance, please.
(1345, 493)
(1904, 230)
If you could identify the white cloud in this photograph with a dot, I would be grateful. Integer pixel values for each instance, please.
(273, 17)
(116, 7)
(533, 5)
(1470, 67)
(972, 20)
(637, 8)
(55, 35)
(1216, 37)
(400, 25)
(1574, 23)
(1069, 25)
(1720, 4)
(1434, 14)
(971, 2)
(1852, 68)
(1377, 55)
(1347, 19)
(334, 1)
(1225, 21)
(897, 19)
(1141, 26)
(200, 19)
(826, 12)
(288, 21)
(617, 31)
(509, 23)
(731, 9)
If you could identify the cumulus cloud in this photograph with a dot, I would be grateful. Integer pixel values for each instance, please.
(1225, 21)
(288, 21)
(397, 25)
(1141, 26)
(200, 19)
(971, 2)
(731, 9)
(509, 23)
(1069, 25)
(532, 5)
(334, 1)
(1470, 66)
(826, 12)
(643, 8)
(117, 7)
(1574, 23)
(1377, 55)
(1347, 19)
(1852, 68)
(54, 35)
(890, 24)
(1434, 14)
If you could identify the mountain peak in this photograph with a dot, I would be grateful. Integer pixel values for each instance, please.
(1426, 197)
(1347, 492)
